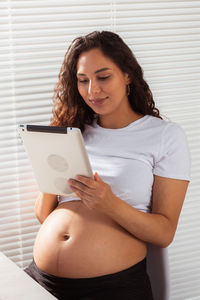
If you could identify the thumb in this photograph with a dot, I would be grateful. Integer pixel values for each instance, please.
(96, 177)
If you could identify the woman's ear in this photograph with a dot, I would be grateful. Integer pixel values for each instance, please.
(127, 78)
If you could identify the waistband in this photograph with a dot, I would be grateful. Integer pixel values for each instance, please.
(136, 271)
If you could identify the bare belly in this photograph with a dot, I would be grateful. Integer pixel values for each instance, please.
(76, 242)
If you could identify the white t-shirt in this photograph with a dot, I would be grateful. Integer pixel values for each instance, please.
(128, 158)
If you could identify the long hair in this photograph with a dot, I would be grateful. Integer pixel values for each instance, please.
(69, 109)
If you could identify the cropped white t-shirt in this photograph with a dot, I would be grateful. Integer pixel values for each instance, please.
(128, 158)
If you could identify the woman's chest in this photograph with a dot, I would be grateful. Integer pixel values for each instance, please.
(131, 179)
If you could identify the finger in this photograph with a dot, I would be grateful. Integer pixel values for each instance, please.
(79, 187)
(82, 195)
(86, 181)
(97, 178)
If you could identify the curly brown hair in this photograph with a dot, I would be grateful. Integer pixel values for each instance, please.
(69, 108)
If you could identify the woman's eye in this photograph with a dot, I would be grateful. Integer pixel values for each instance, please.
(104, 78)
(83, 81)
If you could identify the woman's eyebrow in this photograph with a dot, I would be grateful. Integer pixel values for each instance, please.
(98, 71)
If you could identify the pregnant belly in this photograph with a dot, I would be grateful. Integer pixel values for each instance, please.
(76, 242)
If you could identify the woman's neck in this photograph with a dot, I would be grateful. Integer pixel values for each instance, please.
(116, 123)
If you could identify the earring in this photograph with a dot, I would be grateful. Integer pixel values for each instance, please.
(128, 90)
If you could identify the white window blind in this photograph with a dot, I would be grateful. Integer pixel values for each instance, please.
(34, 36)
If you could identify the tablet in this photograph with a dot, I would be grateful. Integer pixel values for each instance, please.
(56, 154)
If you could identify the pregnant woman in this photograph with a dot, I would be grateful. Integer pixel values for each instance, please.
(93, 245)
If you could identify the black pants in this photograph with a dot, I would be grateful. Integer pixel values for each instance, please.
(130, 284)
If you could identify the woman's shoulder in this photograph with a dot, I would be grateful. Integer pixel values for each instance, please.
(162, 123)
(173, 156)
(165, 127)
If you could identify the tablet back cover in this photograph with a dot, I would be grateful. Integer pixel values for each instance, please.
(56, 157)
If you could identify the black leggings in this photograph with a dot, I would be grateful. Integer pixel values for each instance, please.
(130, 284)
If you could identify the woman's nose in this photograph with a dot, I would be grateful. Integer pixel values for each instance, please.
(93, 88)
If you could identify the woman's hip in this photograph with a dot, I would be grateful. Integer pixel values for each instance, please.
(130, 283)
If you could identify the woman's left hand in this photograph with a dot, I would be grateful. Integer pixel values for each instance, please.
(95, 193)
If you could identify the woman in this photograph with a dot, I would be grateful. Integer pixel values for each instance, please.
(93, 246)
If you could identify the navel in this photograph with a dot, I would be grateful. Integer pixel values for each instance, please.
(66, 237)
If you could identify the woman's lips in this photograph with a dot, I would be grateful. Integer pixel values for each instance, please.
(98, 101)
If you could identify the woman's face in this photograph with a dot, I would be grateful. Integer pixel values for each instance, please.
(101, 83)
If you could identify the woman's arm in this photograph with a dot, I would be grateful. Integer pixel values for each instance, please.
(44, 205)
(157, 227)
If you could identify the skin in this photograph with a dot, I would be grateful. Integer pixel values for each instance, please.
(115, 112)
(100, 78)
